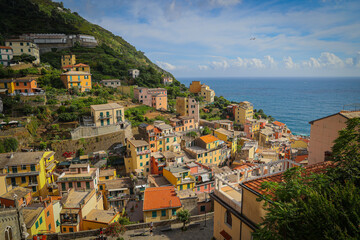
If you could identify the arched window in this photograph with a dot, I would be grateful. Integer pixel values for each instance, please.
(8, 233)
(228, 219)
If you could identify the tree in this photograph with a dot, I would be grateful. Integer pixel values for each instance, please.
(206, 131)
(192, 134)
(183, 216)
(10, 144)
(319, 206)
(114, 229)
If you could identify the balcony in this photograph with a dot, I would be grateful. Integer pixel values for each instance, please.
(143, 152)
(120, 196)
(32, 184)
(104, 117)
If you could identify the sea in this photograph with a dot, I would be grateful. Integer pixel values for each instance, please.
(293, 101)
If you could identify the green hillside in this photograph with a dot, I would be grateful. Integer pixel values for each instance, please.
(111, 59)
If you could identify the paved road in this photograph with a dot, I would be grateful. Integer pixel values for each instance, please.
(195, 232)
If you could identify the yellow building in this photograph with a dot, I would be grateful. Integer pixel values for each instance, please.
(229, 137)
(208, 149)
(137, 158)
(100, 219)
(179, 177)
(34, 219)
(207, 93)
(244, 111)
(7, 86)
(164, 143)
(21, 46)
(68, 60)
(79, 79)
(160, 203)
(195, 87)
(116, 192)
(187, 107)
(107, 174)
(32, 170)
(107, 114)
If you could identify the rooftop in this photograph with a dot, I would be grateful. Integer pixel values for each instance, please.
(138, 143)
(79, 165)
(103, 216)
(75, 73)
(346, 114)
(255, 185)
(107, 172)
(177, 169)
(118, 183)
(160, 198)
(74, 198)
(20, 192)
(208, 138)
(277, 123)
(20, 158)
(5, 47)
(107, 106)
(30, 215)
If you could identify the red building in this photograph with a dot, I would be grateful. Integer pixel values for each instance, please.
(157, 163)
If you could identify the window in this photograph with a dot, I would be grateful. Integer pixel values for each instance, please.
(147, 155)
(108, 121)
(198, 188)
(181, 187)
(205, 186)
(202, 208)
(21, 50)
(228, 219)
(17, 84)
(21, 44)
(167, 140)
(141, 164)
(49, 227)
(173, 211)
(167, 148)
(32, 167)
(188, 185)
(71, 229)
(70, 185)
(14, 169)
(34, 188)
(8, 233)
(64, 229)
(154, 214)
(27, 44)
(36, 225)
(147, 163)
(23, 179)
(107, 177)
(147, 170)
(47, 213)
(29, 50)
(102, 122)
(23, 167)
(78, 184)
(63, 186)
(163, 213)
(87, 185)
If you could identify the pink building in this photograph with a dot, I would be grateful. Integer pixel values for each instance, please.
(203, 176)
(153, 97)
(80, 177)
(323, 133)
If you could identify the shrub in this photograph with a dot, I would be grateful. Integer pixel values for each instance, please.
(9, 145)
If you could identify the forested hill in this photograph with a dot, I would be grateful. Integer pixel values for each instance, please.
(111, 59)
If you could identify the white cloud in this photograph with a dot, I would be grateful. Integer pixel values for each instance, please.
(224, 3)
(165, 65)
(203, 67)
(289, 64)
(220, 64)
(326, 60)
(270, 62)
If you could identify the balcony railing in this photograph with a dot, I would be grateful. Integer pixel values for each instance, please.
(143, 152)
(104, 117)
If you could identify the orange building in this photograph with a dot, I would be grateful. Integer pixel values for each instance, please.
(195, 87)
(79, 79)
(26, 85)
(23, 196)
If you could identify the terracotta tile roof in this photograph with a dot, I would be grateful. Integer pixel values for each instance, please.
(81, 65)
(301, 158)
(209, 138)
(5, 47)
(160, 198)
(19, 191)
(68, 66)
(243, 166)
(280, 124)
(255, 184)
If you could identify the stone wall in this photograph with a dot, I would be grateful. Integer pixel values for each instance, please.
(93, 233)
(91, 144)
(9, 219)
(21, 66)
(190, 204)
(85, 132)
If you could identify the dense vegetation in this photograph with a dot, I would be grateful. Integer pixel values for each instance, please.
(320, 206)
(111, 59)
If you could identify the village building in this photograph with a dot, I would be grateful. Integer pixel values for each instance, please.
(114, 83)
(134, 73)
(244, 111)
(116, 192)
(6, 55)
(79, 79)
(153, 97)
(67, 60)
(187, 107)
(137, 158)
(107, 114)
(179, 177)
(324, 131)
(160, 203)
(21, 46)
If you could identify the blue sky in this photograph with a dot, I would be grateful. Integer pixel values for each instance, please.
(212, 38)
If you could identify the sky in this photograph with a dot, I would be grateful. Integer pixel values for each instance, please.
(236, 38)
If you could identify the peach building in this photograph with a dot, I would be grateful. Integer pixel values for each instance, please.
(195, 87)
(184, 124)
(187, 107)
(323, 133)
(153, 97)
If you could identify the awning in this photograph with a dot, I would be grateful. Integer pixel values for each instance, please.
(205, 177)
(225, 235)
